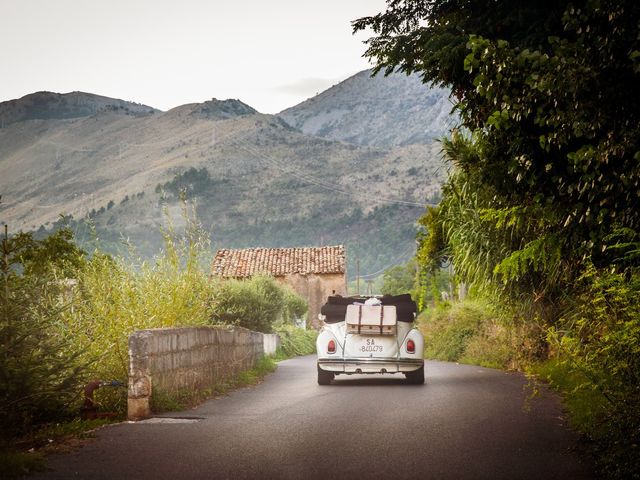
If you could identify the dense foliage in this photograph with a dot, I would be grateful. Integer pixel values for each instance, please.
(542, 209)
(257, 304)
(551, 93)
(67, 317)
(37, 383)
(399, 279)
(295, 341)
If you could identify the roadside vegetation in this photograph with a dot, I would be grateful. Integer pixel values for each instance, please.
(294, 341)
(540, 216)
(67, 316)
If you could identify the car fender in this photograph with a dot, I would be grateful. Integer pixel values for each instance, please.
(323, 341)
(417, 337)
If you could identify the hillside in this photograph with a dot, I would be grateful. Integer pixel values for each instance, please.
(255, 181)
(380, 111)
(49, 105)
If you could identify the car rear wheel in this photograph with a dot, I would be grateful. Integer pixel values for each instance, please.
(416, 377)
(324, 377)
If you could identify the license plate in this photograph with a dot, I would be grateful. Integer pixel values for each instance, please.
(370, 346)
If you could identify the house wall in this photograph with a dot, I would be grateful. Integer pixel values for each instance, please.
(315, 288)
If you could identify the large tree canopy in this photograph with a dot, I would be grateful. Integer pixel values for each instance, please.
(551, 93)
(542, 209)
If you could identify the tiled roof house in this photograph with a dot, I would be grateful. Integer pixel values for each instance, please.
(313, 272)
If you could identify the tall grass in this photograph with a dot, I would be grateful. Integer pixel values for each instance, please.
(113, 297)
(475, 332)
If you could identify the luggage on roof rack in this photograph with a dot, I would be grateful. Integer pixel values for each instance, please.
(335, 310)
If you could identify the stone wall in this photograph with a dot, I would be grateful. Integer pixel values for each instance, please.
(171, 359)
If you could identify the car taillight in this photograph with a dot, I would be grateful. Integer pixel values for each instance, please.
(331, 346)
(411, 346)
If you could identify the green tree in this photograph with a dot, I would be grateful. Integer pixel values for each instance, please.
(399, 279)
(542, 210)
(58, 252)
(551, 92)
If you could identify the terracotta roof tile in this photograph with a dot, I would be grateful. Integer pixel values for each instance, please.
(278, 261)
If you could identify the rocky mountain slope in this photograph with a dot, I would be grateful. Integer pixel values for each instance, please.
(381, 111)
(49, 105)
(254, 180)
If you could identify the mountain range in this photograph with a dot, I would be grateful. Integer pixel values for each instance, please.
(381, 111)
(355, 165)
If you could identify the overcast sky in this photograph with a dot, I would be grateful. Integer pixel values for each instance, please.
(270, 54)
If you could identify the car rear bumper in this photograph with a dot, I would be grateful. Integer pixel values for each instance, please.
(370, 365)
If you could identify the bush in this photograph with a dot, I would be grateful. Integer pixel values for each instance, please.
(598, 343)
(295, 341)
(40, 371)
(473, 332)
(256, 303)
(448, 330)
(295, 307)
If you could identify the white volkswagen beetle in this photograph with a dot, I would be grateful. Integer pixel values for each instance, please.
(369, 335)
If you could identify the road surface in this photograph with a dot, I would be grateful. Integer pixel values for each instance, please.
(466, 422)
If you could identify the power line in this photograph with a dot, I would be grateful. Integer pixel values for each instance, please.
(394, 262)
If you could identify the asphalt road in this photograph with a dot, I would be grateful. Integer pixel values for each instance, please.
(465, 423)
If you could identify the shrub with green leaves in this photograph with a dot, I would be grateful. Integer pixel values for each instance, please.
(295, 341)
(295, 307)
(599, 342)
(476, 332)
(41, 371)
(255, 303)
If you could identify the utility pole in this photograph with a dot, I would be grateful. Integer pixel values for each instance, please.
(358, 276)
(369, 287)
